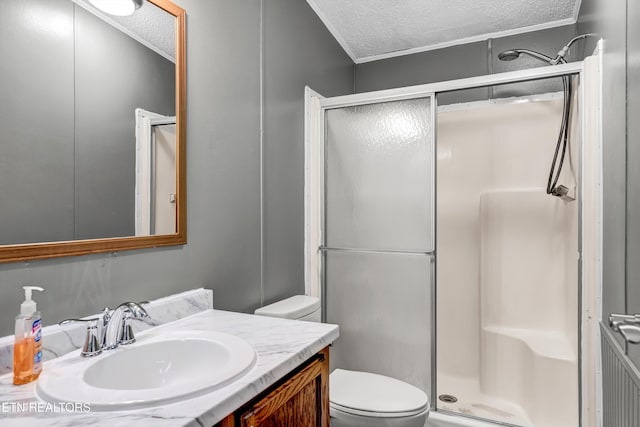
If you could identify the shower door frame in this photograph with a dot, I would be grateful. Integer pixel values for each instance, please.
(315, 164)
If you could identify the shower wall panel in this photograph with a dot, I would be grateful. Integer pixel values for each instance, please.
(504, 146)
(506, 265)
(528, 351)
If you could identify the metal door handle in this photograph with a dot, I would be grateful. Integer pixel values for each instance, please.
(630, 333)
(628, 325)
(615, 320)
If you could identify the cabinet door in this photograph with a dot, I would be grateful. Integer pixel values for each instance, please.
(302, 401)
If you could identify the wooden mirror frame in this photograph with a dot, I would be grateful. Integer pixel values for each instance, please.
(29, 251)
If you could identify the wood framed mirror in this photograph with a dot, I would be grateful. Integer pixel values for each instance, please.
(92, 128)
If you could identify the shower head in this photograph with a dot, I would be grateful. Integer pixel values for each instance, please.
(510, 55)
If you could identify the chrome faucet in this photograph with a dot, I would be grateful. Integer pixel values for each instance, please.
(117, 324)
(110, 330)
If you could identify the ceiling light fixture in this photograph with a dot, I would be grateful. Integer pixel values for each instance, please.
(117, 7)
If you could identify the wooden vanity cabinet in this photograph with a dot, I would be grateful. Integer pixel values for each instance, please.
(301, 399)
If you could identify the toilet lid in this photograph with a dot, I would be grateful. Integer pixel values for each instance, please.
(367, 392)
(294, 307)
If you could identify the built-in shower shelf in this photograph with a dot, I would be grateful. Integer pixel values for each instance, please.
(549, 344)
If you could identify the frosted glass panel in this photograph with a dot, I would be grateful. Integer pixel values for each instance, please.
(379, 176)
(382, 303)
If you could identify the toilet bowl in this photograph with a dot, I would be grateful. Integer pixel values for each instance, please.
(366, 399)
(358, 399)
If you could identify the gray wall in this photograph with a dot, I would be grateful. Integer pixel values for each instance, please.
(223, 170)
(610, 21)
(633, 165)
(291, 62)
(468, 60)
(619, 24)
(45, 181)
(68, 142)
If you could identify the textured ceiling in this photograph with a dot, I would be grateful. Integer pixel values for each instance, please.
(371, 29)
(149, 25)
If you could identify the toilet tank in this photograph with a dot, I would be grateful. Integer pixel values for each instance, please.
(298, 307)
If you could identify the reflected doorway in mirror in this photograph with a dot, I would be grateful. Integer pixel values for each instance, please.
(155, 173)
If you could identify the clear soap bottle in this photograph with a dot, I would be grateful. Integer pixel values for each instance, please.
(27, 349)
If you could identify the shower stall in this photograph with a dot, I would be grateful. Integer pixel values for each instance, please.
(432, 241)
(507, 266)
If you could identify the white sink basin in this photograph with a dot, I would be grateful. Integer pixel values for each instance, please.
(157, 369)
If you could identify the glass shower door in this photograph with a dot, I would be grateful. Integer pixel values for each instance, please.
(378, 237)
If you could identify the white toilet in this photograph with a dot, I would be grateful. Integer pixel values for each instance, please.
(359, 399)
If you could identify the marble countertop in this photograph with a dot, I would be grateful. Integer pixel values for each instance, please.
(280, 345)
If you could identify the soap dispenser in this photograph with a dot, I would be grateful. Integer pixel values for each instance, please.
(27, 350)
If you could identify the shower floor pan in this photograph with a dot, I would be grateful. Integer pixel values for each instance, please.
(472, 402)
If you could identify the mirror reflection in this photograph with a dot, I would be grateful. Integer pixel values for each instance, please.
(87, 122)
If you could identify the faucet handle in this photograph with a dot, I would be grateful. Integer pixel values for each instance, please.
(130, 310)
(126, 334)
(134, 308)
(92, 342)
